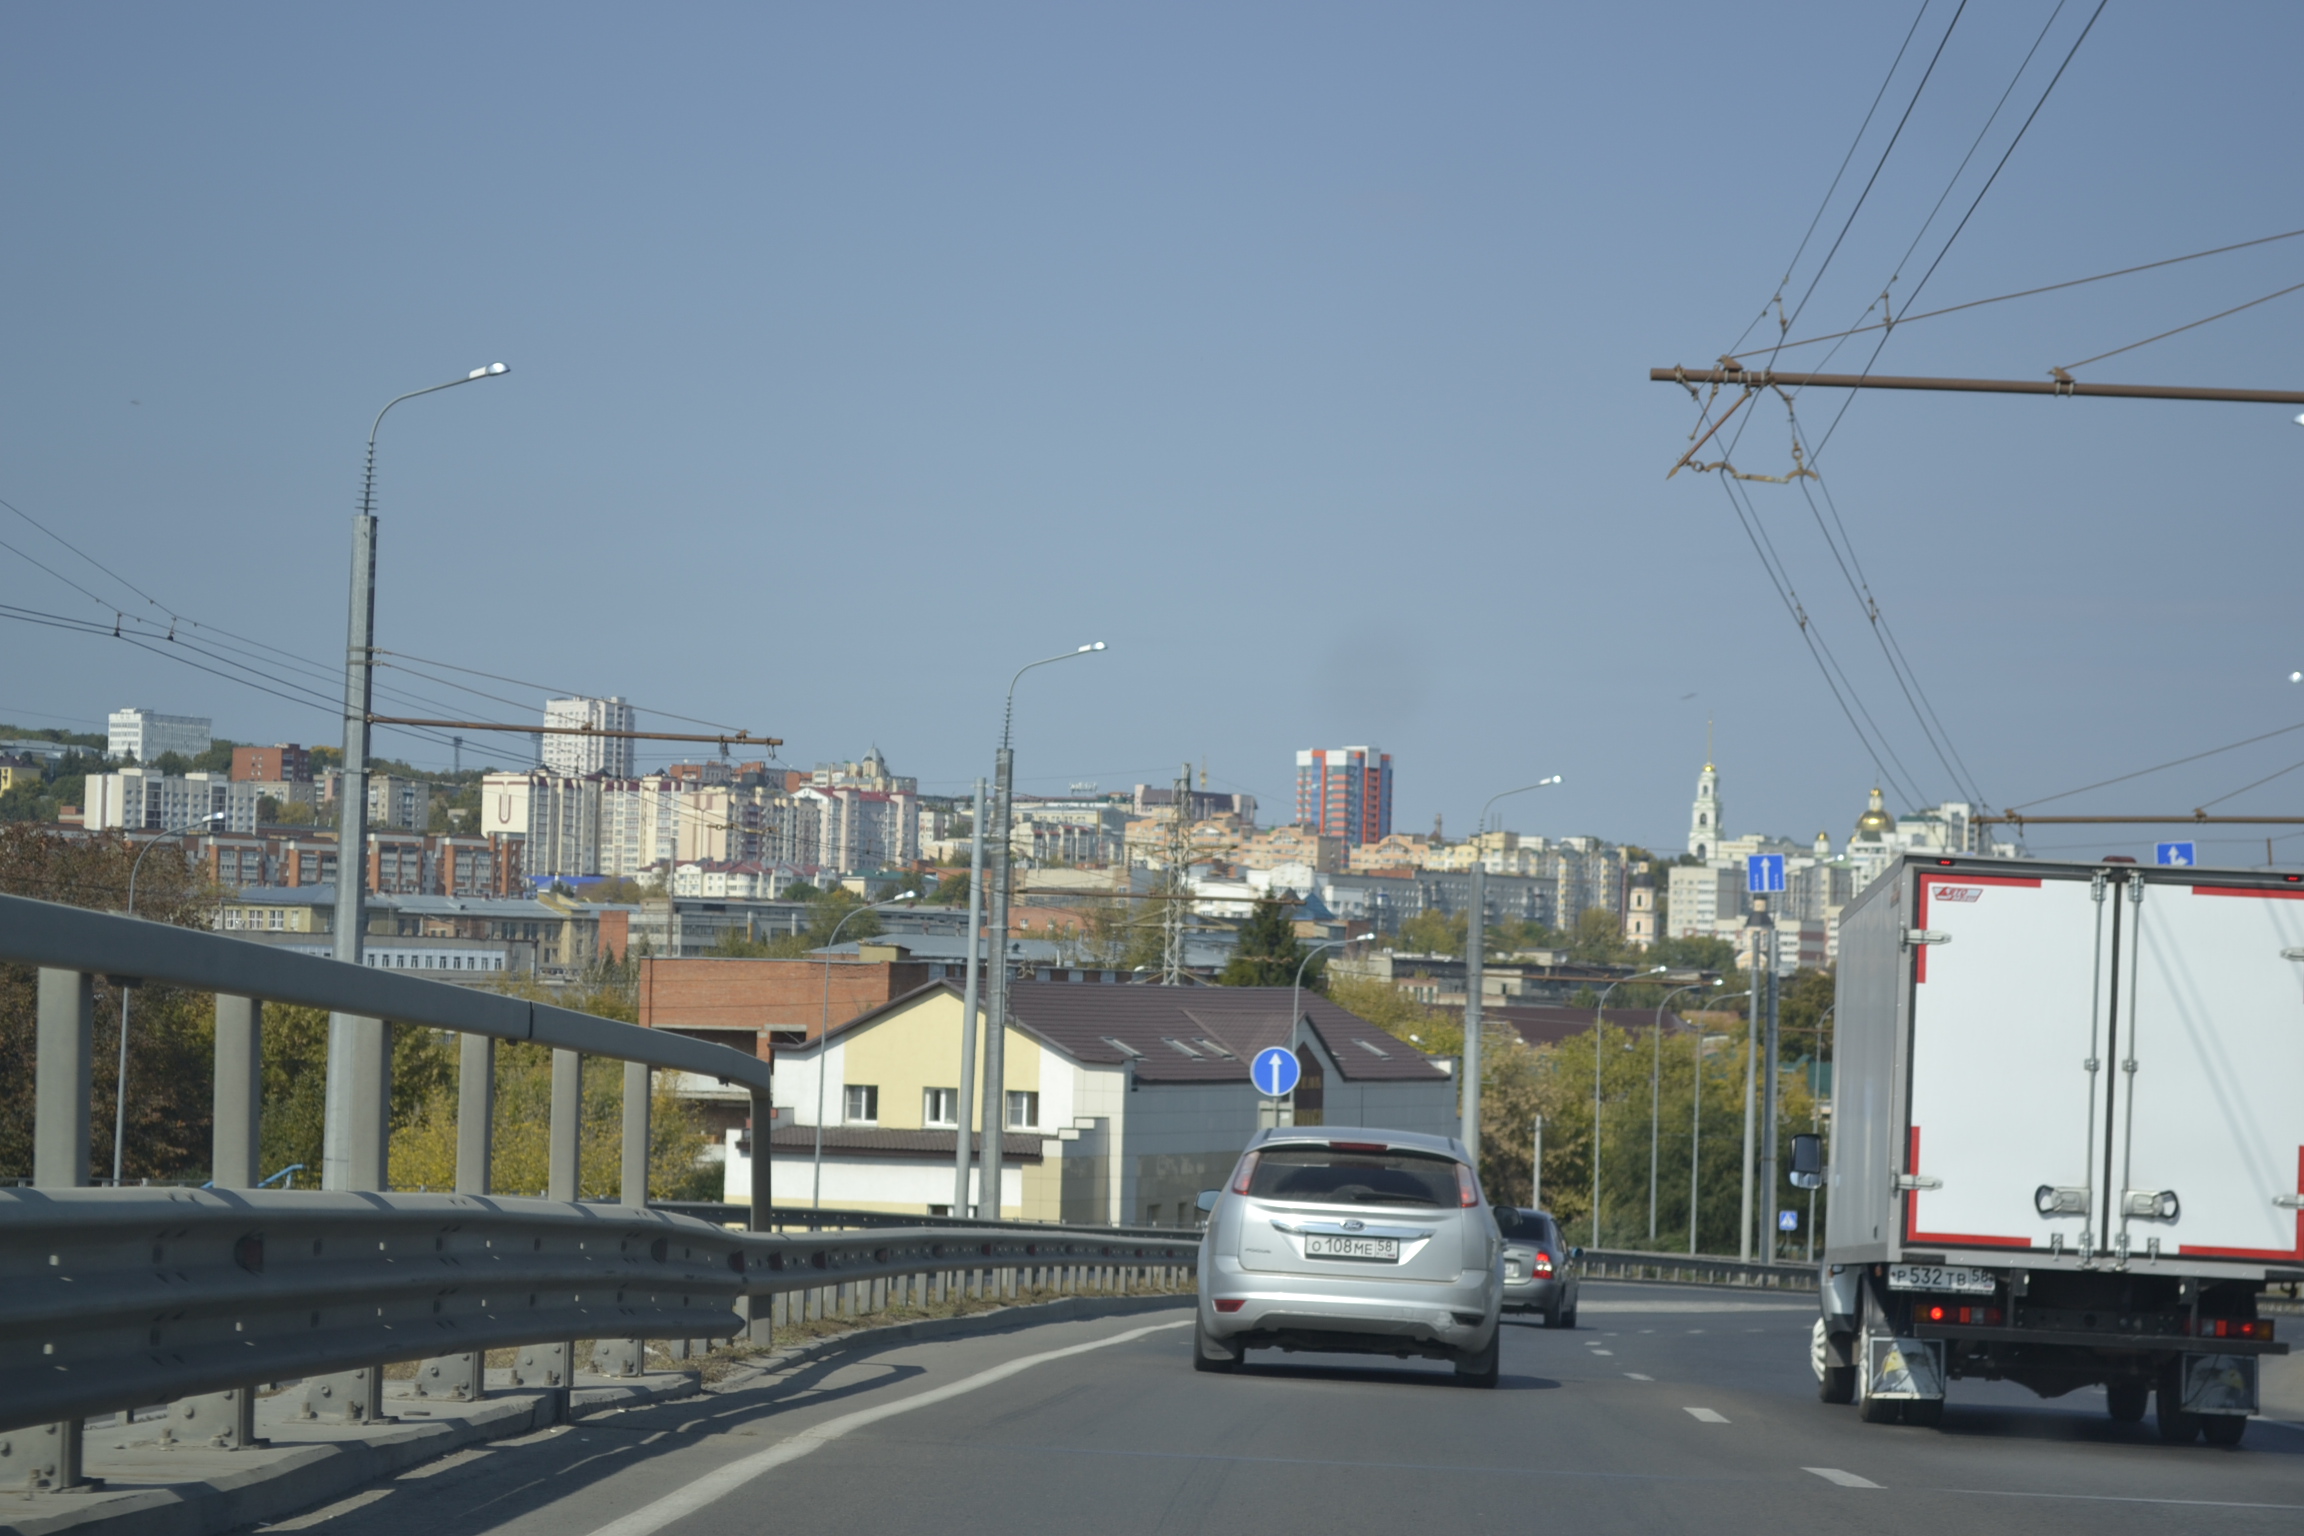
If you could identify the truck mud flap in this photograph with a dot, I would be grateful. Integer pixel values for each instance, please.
(2219, 1383)
(1903, 1368)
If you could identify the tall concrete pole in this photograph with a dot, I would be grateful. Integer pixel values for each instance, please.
(1475, 922)
(994, 1113)
(1754, 960)
(354, 1137)
(964, 1103)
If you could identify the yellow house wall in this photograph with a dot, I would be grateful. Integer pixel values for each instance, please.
(918, 1048)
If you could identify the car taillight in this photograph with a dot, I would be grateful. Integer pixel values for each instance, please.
(1230, 1303)
(1247, 1172)
(1540, 1265)
(1467, 1187)
(1988, 1316)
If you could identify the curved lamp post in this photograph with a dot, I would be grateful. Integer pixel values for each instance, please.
(824, 1047)
(1475, 936)
(1696, 1120)
(1599, 1028)
(356, 1119)
(1296, 992)
(120, 1083)
(1656, 1093)
(995, 1115)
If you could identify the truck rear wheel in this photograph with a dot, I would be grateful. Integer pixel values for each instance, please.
(2125, 1401)
(2176, 1426)
(2223, 1428)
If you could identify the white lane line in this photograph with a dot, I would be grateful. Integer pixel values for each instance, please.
(1636, 1376)
(1603, 1352)
(722, 1481)
(1844, 1479)
(1706, 1415)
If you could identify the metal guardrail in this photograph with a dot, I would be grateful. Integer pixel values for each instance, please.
(807, 1218)
(1699, 1269)
(44, 933)
(116, 1299)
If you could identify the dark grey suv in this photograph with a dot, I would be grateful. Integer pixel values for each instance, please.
(1540, 1268)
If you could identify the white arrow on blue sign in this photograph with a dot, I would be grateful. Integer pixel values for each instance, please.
(1275, 1072)
(2186, 854)
(1764, 873)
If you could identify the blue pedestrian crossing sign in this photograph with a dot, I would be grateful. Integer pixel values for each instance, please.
(1275, 1072)
(1764, 874)
(1787, 1221)
(2186, 854)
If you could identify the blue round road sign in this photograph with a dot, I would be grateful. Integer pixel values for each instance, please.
(1275, 1072)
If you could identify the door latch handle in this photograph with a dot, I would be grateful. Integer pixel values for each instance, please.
(1918, 1181)
(1914, 937)
(2289, 1202)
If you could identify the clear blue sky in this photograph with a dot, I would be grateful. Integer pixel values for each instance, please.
(861, 354)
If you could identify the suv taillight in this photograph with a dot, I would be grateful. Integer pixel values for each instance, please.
(1467, 1187)
(1240, 1180)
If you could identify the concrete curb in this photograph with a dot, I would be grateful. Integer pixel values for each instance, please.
(297, 1480)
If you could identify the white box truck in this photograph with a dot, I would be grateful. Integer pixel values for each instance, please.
(2067, 1137)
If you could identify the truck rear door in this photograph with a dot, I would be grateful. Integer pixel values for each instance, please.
(2007, 1001)
(2206, 1154)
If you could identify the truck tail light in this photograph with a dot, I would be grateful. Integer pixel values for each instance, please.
(1247, 1173)
(2232, 1328)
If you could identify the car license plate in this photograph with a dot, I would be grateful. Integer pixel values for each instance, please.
(1382, 1250)
(1938, 1277)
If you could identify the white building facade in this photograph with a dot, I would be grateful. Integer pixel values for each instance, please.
(141, 800)
(575, 756)
(145, 734)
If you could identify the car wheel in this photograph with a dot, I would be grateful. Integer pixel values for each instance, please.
(1568, 1318)
(1552, 1315)
(1213, 1354)
(1481, 1367)
(2175, 1425)
(2125, 1400)
(2223, 1428)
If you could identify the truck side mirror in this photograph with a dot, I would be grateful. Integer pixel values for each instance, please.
(1208, 1200)
(1807, 1162)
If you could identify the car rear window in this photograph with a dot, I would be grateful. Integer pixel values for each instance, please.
(1325, 1175)
(1524, 1226)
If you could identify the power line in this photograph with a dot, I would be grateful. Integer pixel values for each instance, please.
(2164, 335)
(2230, 746)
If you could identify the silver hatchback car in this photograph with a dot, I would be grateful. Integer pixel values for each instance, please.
(1349, 1240)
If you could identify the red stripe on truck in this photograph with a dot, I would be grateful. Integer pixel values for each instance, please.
(1912, 1232)
(2244, 890)
(2296, 1252)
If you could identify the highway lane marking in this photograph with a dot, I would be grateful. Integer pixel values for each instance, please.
(1706, 1415)
(1636, 1376)
(722, 1481)
(1844, 1479)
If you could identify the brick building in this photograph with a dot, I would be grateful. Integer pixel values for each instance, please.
(755, 1004)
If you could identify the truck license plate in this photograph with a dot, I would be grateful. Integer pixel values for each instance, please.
(1383, 1250)
(1939, 1277)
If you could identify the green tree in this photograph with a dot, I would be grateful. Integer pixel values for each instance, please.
(1435, 933)
(1598, 938)
(173, 764)
(1268, 953)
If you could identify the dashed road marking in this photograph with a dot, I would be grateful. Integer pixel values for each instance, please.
(1603, 1351)
(1636, 1376)
(1706, 1415)
(1844, 1479)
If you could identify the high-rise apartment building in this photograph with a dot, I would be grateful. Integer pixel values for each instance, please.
(1345, 792)
(286, 763)
(145, 734)
(576, 756)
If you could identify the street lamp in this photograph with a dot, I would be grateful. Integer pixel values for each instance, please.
(1599, 1028)
(1296, 992)
(1475, 934)
(996, 1003)
(359, 1049)
(1696, 1119)
(1656, 1092)
(120, 1083)
(824, 1046)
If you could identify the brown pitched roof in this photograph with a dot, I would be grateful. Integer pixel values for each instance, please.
(1204, 1034)
(1549, 1024)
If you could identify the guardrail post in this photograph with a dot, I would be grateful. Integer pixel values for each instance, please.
(225, 1420)
(239, 1099)
(636, 1089)
(553, 1366)
(758, 1311)
(63, 1070)
(66, 1046)
(464, 1378)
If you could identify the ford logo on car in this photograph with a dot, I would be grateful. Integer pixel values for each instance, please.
(1355, 1226)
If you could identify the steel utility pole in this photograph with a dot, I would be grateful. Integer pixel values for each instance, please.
(357, 1118)
(1174, 915)
(1475, 939)
(1768, 1218)
(1760, 933)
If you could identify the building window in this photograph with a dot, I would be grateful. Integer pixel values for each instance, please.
(940, 1106)
(863, 1104)
(1023, 1111)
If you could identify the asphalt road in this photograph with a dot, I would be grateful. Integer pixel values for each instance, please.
(1669, 1410)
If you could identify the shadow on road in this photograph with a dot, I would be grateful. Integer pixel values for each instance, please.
(1382, 1376)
